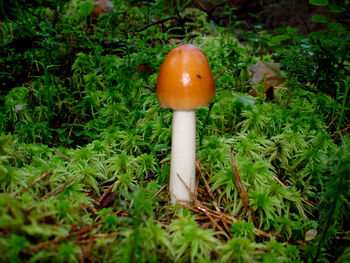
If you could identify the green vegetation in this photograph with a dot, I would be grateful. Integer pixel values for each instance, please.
(85, 145)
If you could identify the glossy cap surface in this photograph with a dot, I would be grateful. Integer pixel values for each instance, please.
(185, 81)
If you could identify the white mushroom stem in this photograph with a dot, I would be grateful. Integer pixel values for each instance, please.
(183, 155)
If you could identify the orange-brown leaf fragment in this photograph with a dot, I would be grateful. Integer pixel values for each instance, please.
(266, 74)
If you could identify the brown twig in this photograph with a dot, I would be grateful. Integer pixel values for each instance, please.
(37, 180)
(341, 132)
(214, 215)
(336, 116)
(211, 195)
(221, 72)
(159, 191)
(276, 235)
(208, 204)
(309, 202)
(153, 90)
(155, 23)
(261, 233)
(189, 207)
(208, 175)
(188, 189)
(344, 236)
(241, 191)
(61, 154)
(278, 181)
(199, 208)
(105, 193)
(201, 5)
(303, 200)
(97, 236)
(48, 244)
(201, 217)
(208, 188)
(229, 219)
(59, 189)
(70, 132)
(213, 221)
(163, 224)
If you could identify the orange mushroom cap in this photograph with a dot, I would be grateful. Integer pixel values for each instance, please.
(185, 81)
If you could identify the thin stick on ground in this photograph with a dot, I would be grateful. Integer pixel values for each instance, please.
(59, 189)
(105, 193)
(278, 181)
(238, 182)
(341, 132)
(70, 132)
(61, 154)
(97, 236)
(229, 219)
(198, 209)
(208, 188)
(215, 213)
(48, 244)
(241, 191)
(336, 116)
(309, 202)
(210, 214)
(81, 234)
(37, 180)
(303, 200)
(213, 221)
(208, 175)
(210, 193)
(222, 71)
(159, 191)
(197, 203)
(188, 189)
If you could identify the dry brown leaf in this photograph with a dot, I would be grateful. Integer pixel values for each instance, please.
(267, 74)
(101, 7)
(310, 235)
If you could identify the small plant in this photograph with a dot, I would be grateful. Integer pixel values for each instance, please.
(191, 242)
(239, 249)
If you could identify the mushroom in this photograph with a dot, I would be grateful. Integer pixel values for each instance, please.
(185, 83)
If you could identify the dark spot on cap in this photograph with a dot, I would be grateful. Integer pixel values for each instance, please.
(198, 76)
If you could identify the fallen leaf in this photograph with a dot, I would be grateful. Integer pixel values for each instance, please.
(266, 74)
(144, 67)
(18, 107)
(310, 235)
(101, 7)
